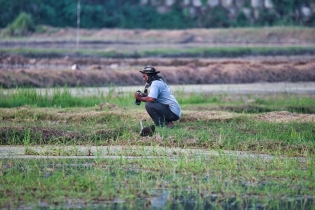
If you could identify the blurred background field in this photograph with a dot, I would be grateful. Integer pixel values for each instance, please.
(191, 41)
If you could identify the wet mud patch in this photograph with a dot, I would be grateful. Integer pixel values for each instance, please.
(170, 200)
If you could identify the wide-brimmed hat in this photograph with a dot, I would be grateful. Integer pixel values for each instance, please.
(149, 70)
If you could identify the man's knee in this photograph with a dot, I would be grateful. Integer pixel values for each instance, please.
(148, 105)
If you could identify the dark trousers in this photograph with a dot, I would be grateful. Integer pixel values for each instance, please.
(160, 113)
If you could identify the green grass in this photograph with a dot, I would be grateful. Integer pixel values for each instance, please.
(33, 52)
(58, 122)
(189, 52)
(248, 103)
(56, 97)
(64, 97)
(190, 180)
(208, 121)
(231, 51)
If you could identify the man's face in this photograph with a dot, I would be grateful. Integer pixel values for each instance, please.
(145, 77)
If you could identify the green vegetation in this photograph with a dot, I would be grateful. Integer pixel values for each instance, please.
(22, 25)
(94, 14)
(110, 119)
(57, 97)
(80, 97)
(230, 51)
(199, 52)
(250, 103)
(186, 181)
(127, 171)
(131, 14)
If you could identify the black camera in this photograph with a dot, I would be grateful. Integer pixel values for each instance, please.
(137, 102)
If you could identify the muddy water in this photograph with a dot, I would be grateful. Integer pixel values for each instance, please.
(114, 152)
(160, 198)
(164, 201)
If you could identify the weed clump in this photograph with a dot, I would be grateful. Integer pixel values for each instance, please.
(21, 26)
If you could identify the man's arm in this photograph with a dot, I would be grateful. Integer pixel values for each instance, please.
(144, 98)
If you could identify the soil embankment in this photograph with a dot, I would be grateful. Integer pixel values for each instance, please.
(23, 71)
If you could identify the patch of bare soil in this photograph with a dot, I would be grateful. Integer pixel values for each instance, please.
(194, 116)
(22, 71)
(285, 117)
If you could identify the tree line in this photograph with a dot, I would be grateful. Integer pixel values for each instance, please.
(130, 14)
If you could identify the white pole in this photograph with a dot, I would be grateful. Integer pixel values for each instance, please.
(78, 24)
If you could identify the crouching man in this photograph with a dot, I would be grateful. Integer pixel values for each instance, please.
(160, 104)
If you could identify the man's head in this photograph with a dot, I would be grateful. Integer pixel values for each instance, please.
(148, 72)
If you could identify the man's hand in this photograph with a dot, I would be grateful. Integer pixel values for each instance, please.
(144, 98)
(137, 96)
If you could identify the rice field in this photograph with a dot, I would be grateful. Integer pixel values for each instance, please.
(228, 151)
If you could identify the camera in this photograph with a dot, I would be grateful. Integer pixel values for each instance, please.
(137, 102)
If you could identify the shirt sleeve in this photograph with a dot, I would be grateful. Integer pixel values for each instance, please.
(154, 90)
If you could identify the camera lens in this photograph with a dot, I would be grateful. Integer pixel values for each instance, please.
(137, 102)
